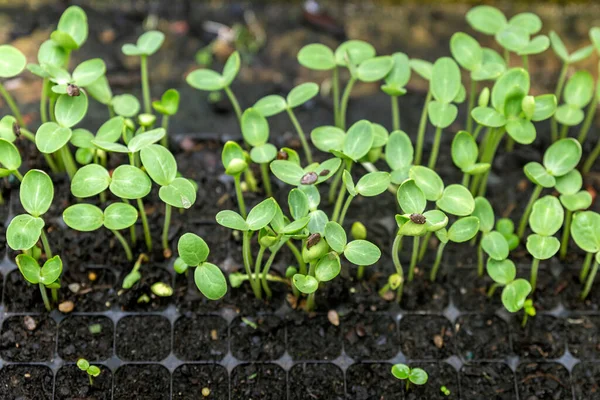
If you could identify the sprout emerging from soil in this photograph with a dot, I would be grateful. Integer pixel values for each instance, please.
(412, 376)
(91, 370)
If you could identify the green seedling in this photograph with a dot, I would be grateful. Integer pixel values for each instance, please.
(585, 230)
(573, 199)
(25, 230)
(209, 80)
(209, 279)
(415, 222)
(445, 391)
(234, 162)
(255, 130)
(12, 64)
(91, 370)
(513, 111)
(493, 243)
(10, 159)
(135, 275)
(395, 84)
(530, 311)
(274, 104)
(359, 232)
(480, 62)
(46, 277)
(445, 87)
(463, 230)
(399, 154)
(415, 376)
(515, 291)
(349, 147)
(545, 220)
(88, 218)
(559, 159)
(507, 228)
(577, 94)
(465, 153)
(568, 59)
(167, 106)
(370, 185)
(147, 44)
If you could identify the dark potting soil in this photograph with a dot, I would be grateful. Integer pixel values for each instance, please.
(260, 338)
(470, 291)
(372, 381)
(143, 338)
(313, 337)
(549, 285)
(189, 381)
(91, 289)
(571, 295)
(482, 337)
(583, 333)
(370, 336)
(28, 338)
(544, 381)
(258, 381)
(26, 382)
(316, 381)
(483, 380)
(426, 337)
(542, 337)
(586, 381)
(73, 383)
(423, 295)
(89, 337)
(200, 337)
(142, 381)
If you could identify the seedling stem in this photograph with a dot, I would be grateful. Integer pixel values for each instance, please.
(564, 243)
(589, 162)
(395, 113)
(344, 104)
(585, 270)
(240, 195)
(436, 148)
(123, 242)
(413, 258)
(165, 233)
(45, 297)
(145, 85)
(46, 244)
(398, 265)
(12, 105)
(301, 135)
(534, 271)
(264, 170)
(147, 236)
(336, 96)
(590, 280)
(247, 256)
(559, 88)
(438, 260)
(234, 103)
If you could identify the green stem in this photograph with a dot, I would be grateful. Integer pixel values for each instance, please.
(360, 273)
(345, 209)
(145, 84)
(258, 264)
(131, 228)
(492, 290)
(589, 162)
(525, 318)
(240, 196)
(12, 105)
(523, 223)
(44, 101)
(247, 256)
(67, 158)
(341, 195)
(264, 170)
(413, 258)
(344, 103)
(395, 113)
(45, 297)
(479, 260)
(91, 380)
(496, 138)
(334, 184)
(507, 57)
(465, 180)
(589, 118)
(421, 131)
(265, 272)
(54, 293)
(564, 131)
(424, 245)
(298, 256)
(301, 135)
(336, 96)
(535, 264)
(165, 125)
(590, 281)
(18, 175)
(123, 242)
(310, 302)
(525, 62)
(478, 129)
(398, 265)
(436, 148)
(585, 270)
(165, 233)
(559, 88)
(438, 260)
(46, 244)
(51, 105)
(147, 236)
(564, 243)
(28, 135)
(471, 104)
(234, 103)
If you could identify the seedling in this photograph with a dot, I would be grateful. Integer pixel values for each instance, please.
(370, 185)
(445, 391)
(463, 230)
(530, 311)
(559, 159)
(274, 104)
(135, 275)
(48, 276)
(515, 291)
(209, 279)
(88, 218)
(399, 156)
(255, 130)
(586, 233)
(507, 228)
(234, 162)
(147, 44)
(395, 85)
(91, 370)
(545, 220)
(359, 232)
(415, 376)
(578, 93)
(493, 243)
(25, 230)
(10, 159)
(465, 154)
(573, 199)
(568, 59)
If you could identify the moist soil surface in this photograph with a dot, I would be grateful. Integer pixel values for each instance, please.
(180, 347)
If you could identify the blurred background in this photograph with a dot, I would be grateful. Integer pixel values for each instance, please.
(268, 36)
